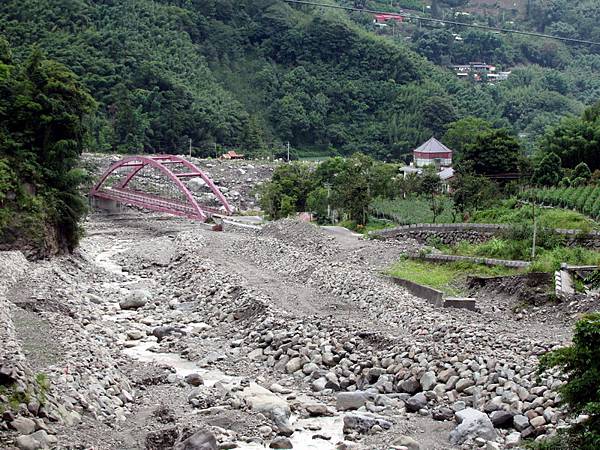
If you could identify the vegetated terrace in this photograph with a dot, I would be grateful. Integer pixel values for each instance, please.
(449, 278)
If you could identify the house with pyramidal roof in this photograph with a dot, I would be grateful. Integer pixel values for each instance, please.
(432, 153)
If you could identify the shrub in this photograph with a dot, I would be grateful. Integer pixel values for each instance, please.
(580, 362)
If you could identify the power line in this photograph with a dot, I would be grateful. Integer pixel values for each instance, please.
(443, 21)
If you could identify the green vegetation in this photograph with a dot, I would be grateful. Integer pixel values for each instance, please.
(14, 397)
(42, 112)
(410, 210)
(492, 152)
(373, 224)
(550, 260)
(448, 278)
(513, 212)
(584, 199)
(256, 74)
(43, 383)
(549, 79)
(516, 244)
(336, 189)
(593, 280)
(245, 73)
(575, 139)
(259, 74)
(580, 362)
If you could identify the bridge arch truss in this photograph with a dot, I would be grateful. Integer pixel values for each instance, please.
(175, 169)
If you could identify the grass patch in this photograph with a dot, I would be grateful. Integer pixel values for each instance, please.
(14, 397)
(550, 260)
(412, 210)
(513, 212)
(446, 277)
(44, 385)
(546, 260)
(372, 225)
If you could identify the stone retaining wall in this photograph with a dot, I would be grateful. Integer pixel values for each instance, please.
(516, 264)
(475, 233)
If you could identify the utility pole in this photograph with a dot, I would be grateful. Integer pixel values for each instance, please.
(328, 187)
(534, 232)
(215, 147)
(190, 147)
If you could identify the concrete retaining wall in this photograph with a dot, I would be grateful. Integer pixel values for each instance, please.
(433, 296)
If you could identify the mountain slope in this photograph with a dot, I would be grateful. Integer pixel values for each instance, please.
(252, 74)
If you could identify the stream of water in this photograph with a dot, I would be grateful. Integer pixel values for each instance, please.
(302, 439)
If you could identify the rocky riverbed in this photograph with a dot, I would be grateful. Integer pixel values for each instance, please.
(160, 334)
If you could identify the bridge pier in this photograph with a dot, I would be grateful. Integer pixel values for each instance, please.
(105, 204)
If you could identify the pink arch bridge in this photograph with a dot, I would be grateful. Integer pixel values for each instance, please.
(175, 169)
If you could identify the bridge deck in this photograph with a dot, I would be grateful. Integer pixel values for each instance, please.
(156, 203)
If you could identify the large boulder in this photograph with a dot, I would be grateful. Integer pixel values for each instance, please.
(281, 442)
(428, 381)
(23, 425)
(410, 386)
(202, 440)
(135, 300)
(520, 422)
(363, 423)
(351, 400)
(416, 402)
(295, 364)
(472, 424)
(502, 419)
(408, 442)
(38, 440)
(264, 401)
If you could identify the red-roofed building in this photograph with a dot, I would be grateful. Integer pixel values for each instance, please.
(432, 153)
(232, 155)
(383, 18)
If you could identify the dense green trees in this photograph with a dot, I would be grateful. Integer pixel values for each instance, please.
(493, 152)
(464, 132)
(471, 192)
(548, 172)
(576, 140)
(42, 110)
(255, 74)
(580, 362)
(288, 190)
(340, 187)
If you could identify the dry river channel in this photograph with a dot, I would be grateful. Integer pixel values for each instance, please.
(159, 333)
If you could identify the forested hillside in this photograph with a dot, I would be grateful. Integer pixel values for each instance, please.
(42, 108)
(255, 74)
